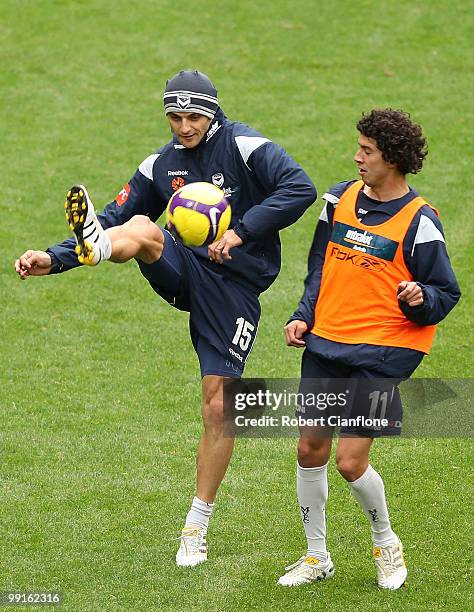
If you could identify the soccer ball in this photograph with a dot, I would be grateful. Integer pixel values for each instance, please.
(198, 214)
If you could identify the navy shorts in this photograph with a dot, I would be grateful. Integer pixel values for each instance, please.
(223, 315)
(358, 400)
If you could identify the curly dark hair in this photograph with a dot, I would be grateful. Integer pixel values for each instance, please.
(399, 139)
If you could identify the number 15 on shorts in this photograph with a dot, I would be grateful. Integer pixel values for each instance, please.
(243, 335)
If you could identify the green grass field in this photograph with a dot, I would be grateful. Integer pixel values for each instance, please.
(99, 392)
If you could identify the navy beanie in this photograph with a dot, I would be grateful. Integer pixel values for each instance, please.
(190, 91)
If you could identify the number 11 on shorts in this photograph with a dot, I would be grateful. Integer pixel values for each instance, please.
(243, 334)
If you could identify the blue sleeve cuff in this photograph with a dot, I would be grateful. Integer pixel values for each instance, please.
(56, 265)
(241, 232)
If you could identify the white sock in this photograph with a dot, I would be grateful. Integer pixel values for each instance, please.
(312, 491)
(369, 491)
(105, 246)
(98, 238)
(200, 513)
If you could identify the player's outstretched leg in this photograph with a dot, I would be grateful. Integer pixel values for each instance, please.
(307, 569)
(93, 244)
(391, 568)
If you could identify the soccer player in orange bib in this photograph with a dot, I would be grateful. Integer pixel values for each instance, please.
(379, 280)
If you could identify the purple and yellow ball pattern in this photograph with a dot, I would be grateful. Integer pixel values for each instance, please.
(198, 214)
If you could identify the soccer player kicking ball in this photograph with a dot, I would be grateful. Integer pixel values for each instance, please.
(218, 285)
(379, 280)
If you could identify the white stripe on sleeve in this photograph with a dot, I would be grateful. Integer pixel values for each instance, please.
(248, 144)
(426, 232)
(324, 214)
(330, 197)
(146, 167)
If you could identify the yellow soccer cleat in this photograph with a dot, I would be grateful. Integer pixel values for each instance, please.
(93, 245)
(307, 569)
(390, 565)
(193, 548)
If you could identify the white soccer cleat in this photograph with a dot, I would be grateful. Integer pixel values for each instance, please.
(92, 243)
(307, 569)
(391, 568)
(193, 547)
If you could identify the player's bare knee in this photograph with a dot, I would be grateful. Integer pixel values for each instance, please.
(137, 221)
(350, 468)
(312, 452)
(143, 226)
(213, 412)
(149, 237)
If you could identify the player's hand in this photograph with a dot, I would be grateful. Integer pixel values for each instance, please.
(294, 332)
(410, 292)
(33, 263)
(218, 251)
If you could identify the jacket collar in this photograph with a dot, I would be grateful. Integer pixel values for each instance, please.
(389, 208)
